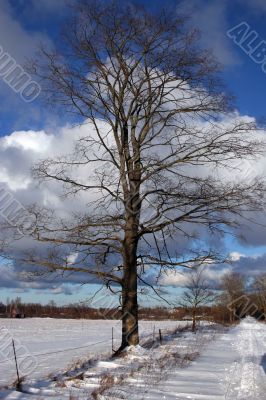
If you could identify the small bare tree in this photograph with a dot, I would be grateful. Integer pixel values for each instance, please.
(233, 286)
(197, 294)
(259, 286)
(154, 109)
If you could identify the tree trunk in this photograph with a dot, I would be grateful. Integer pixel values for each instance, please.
(232, 315)
(130, 335)
(194, 321)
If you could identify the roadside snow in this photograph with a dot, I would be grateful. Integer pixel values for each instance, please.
(232, 367)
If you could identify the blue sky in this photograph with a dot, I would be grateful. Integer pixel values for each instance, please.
(24, 23)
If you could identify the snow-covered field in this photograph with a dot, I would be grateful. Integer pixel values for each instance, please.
(67, 340)
(213, 364)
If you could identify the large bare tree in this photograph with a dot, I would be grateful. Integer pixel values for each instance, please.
(158, 134)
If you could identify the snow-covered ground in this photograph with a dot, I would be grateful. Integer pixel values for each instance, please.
(46, 345)
(232, 367)
(213, 364)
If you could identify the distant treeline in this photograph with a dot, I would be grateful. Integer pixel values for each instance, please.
(236, 299)
(16, 308)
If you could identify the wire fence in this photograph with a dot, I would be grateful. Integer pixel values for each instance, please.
(57, 351)
(154, 336)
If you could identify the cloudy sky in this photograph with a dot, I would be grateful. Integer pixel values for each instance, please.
(29, 131)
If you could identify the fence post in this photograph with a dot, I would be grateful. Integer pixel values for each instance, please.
(16, 362)
(153, 336)
(113, 340)
(160, 336)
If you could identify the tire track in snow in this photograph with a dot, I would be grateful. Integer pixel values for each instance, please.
(246, 376)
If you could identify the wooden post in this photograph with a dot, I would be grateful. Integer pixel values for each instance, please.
(160, 336)
(16, 362)
(153, 336)
(113, 350)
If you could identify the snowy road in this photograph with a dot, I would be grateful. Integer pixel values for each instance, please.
(233, 367)
(230, 367)
(246, 377)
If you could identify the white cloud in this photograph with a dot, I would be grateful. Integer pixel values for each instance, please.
(38, 142)
(235, 256)
(20, 150)
(72, 258)
(180, 279)
(172, 278)
(15, 39)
